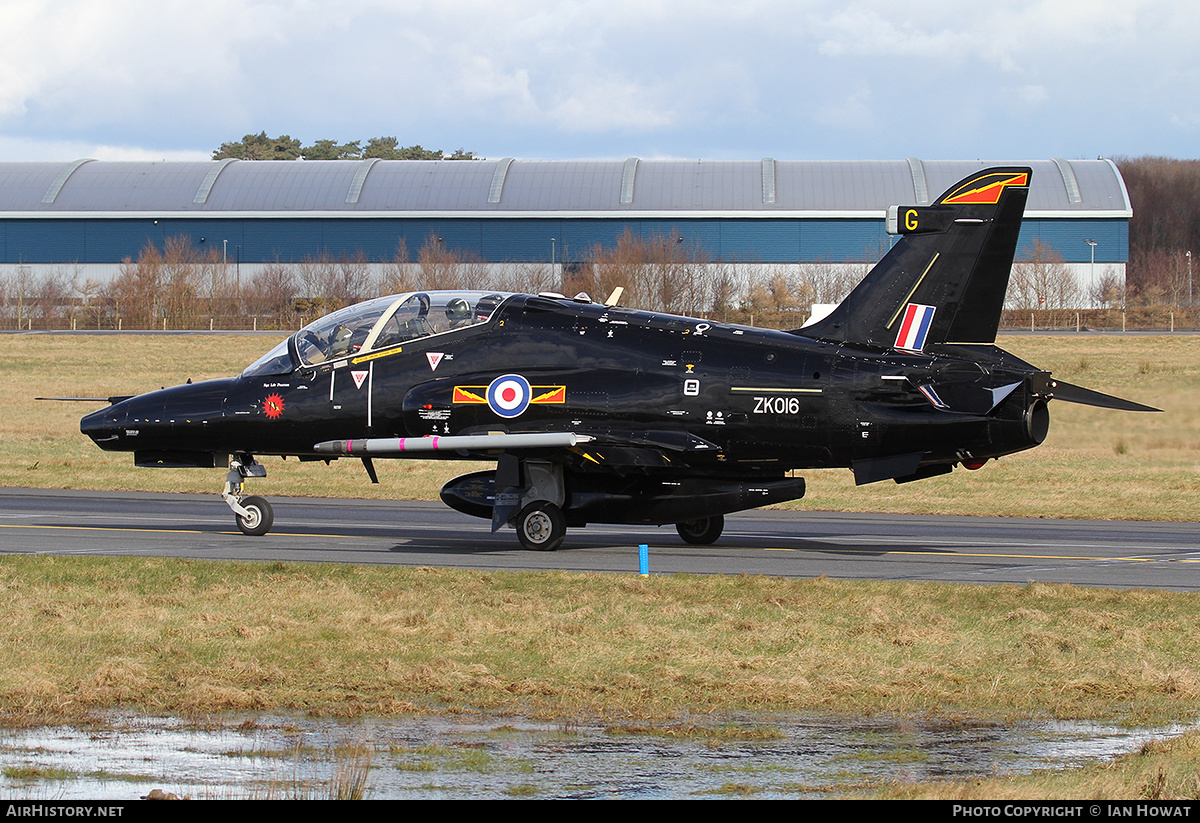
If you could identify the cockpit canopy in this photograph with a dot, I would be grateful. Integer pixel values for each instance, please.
(378, 324)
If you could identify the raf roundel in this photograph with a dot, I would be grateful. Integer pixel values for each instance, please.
(508, 396)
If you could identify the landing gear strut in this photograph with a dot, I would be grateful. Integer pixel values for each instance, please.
(254, 515)
(530, 496)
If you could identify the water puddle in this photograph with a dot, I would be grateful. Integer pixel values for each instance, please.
(282, 757)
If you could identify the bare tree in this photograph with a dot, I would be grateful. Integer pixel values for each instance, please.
(1109, 290)
(37, 298)
(1041, 280)
(271, 294)
(441, 267)
(1165, 194)
(660, 273)
(829, 283)
(400, 274)
(134, 291)
(532, 278)
(180, 283)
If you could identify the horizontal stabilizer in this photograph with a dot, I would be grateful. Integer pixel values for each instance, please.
(1087, 397)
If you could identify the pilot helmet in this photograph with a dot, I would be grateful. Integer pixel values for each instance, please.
(458, 310)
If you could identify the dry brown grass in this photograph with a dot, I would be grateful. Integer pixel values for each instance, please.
(1095, 464)
(1161, 770)
(189, 637)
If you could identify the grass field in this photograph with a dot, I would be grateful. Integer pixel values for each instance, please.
(1095, 464)
(84, 634)
(671, 655)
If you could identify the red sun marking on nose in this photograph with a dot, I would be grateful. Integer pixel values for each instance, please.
(508, 394)
(273, 406)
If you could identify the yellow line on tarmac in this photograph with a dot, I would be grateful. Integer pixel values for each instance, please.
(155, 530)
(101, 528)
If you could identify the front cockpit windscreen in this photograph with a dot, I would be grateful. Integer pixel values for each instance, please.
(378, 324)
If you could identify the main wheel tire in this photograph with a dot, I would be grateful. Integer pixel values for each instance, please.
(541, 527)
(260, 519)
(702, 532)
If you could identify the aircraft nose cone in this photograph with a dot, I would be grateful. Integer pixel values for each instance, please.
(169, 418)
(112, 427)
(99, 425)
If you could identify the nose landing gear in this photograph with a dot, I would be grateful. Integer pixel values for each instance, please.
(254, 515)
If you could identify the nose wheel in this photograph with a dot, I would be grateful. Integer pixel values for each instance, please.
(258, 517)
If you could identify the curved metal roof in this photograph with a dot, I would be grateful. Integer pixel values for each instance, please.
(531, 188)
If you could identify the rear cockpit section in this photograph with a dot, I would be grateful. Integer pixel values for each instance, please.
(378, 324)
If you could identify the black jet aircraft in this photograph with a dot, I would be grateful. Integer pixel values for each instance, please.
(595, 413)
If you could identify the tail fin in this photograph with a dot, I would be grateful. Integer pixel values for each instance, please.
(945, 279)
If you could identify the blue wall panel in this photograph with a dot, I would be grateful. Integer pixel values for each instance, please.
(45, 241)
(506, 240)
(702, 234)
(843, 241)
(523, 240)
(461, 236)
(283, 240)
(760, 241)
(1066, 237)
(111, 241)
(377, 240)
(206, 236)
(579, 236)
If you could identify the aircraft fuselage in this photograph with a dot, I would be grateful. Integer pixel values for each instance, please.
(597, 413)
(760, 401)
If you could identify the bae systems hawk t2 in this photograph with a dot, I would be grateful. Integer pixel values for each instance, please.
(595, 413)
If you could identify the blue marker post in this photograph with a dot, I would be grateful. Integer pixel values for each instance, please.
(644, 560)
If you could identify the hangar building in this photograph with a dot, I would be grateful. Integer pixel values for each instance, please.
(93, 214)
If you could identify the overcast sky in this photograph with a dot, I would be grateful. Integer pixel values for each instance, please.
(803, 80)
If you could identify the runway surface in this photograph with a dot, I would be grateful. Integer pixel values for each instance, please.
(790, 544)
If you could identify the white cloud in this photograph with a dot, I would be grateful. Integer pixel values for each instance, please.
(862, 30)
(611, 104)
(601, 77)
(852, 113)
(1033, 94)
(42, 150)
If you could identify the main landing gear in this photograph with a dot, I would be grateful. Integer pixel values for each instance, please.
(541, 526)
(530, 495)
(702, 532)
(254, 515)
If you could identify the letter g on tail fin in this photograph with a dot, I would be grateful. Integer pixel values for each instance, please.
(945, 278)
